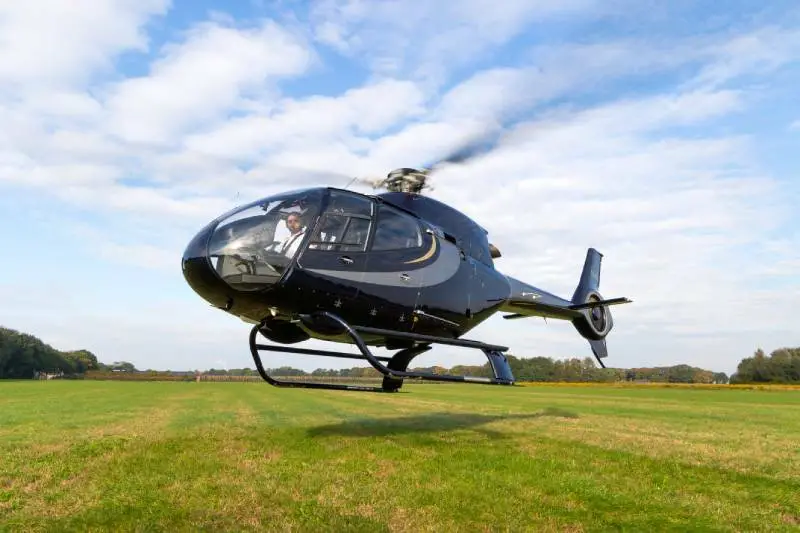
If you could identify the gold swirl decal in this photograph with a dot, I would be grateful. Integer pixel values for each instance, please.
(428, 254)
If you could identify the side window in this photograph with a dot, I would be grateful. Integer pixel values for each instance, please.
(345, 225)
(341, 233)
(354, 236)
(396, 230)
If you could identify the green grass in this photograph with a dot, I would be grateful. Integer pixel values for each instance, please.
(156, 456)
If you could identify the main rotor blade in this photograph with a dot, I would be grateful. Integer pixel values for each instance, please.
(477, 145)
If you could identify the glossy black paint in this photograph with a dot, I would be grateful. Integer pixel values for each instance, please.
(443, 284)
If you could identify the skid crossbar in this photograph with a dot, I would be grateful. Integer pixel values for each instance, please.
(395, 372)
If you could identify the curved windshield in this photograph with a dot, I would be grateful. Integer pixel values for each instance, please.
(251, 248)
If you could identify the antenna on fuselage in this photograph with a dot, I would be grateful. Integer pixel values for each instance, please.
(349, 183)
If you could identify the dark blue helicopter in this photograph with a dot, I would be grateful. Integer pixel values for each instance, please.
(397, 269)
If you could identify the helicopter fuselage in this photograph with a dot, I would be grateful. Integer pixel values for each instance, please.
(398, 270)
(396, 261)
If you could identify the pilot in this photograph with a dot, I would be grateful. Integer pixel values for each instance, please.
(296, 229)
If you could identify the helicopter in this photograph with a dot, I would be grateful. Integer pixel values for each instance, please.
(396, 269)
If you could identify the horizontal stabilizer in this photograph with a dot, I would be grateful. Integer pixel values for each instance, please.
(600, 303)
(557, 310)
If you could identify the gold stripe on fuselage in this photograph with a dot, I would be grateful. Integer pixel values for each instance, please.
(429, 253)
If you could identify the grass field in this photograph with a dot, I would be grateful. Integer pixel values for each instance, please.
(155, 456)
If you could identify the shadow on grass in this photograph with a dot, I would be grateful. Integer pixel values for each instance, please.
(427, 423)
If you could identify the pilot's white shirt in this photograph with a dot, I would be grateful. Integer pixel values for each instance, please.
(290, 245)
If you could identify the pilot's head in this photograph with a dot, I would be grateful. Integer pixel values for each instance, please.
(294, 223)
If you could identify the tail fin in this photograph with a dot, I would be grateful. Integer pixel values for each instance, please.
(590, 276)
(595, 322)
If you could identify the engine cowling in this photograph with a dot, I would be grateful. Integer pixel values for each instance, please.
(596, 322)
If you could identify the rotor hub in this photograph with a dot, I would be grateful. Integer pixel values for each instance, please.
(408, 180)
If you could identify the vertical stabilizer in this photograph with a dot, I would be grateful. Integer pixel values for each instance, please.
(590, 276)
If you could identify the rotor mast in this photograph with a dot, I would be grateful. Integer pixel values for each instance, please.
(409, 180)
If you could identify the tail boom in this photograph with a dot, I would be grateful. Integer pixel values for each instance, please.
(528, 301)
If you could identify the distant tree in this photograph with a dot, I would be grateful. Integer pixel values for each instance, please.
(122, 366)
(781, 366)
(83, 360)
(22, 356)
(680, 374)
(533, 369)
(720, 378)
(287, 371)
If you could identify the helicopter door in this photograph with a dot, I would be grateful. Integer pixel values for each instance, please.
(400, 255)
(336, 253)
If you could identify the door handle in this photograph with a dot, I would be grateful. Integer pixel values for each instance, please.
(345, 260)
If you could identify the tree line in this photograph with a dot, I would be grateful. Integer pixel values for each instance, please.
(780, 366)
(24, 356)
(542, 369)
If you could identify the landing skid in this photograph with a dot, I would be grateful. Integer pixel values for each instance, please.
(396, 371)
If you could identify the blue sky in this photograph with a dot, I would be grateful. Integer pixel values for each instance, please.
(664, 136)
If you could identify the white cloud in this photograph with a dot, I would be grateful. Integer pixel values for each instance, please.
(428, 38)
(688, 218)
(198, 80)
(50, 42)
(369, 109)
(755, 53)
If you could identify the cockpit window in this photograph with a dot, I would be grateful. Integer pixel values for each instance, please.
(251, 248)
(395, 230)
(345, 225)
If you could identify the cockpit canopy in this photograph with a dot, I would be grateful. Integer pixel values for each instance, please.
(252, 246)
